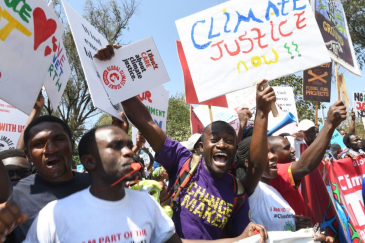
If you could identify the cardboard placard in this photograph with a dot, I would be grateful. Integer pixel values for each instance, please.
(232, 45)
(134, 69)
(343, 88)
(88, 41)
(317, 83)
(29, 32)
(219, 114)
(359, 103)
(332, 23)
(12, 123)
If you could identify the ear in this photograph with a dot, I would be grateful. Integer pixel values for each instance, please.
(246, 163)
(201, 146)
(27, 155)
(88, 162)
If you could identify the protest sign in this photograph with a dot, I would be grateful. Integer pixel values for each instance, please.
(336, 138)
(12, 123)
(332, 23)
(359, 104)
(88, 41)
(157, 101)
(190, 93)
(135, 68)
(317, 83)
(219, 114)
(29, 32)
(58, 73)
(345, 180)
(134, 134)
(242, 98)
(195, 124)
(233, 45)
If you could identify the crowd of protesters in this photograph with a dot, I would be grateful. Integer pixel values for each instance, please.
(217, 186)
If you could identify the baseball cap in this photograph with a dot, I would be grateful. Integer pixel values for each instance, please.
(305, 124)
(191, 141)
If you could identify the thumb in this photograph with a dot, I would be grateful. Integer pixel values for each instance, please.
(116, 46)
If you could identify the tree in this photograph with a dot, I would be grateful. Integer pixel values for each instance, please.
(178, 118)
(306, 109)
(110, 18)
(359, 126)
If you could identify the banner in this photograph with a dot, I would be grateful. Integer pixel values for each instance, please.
(317, 83)
(233, 45)
(190, 93)
(12, 123)
(88, 41)
(195, 124)
(345, 180)
(29, 33)
(332, 23)
(359, 104)
(134, 68)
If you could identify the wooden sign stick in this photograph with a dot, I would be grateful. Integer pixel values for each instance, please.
(337, 82)
(316, 113)
(210, 113)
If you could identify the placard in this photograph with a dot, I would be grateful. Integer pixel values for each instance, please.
(336, 138)
(12, 123)
(133, 69)
(332, 23)
(219, 114)
(29, 32)
(232, 45)
(317, 83)
(359, 104)
(88, 41)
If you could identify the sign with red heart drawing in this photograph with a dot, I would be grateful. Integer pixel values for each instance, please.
(29, 34)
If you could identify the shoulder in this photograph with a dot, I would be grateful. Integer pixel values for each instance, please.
(22, 187)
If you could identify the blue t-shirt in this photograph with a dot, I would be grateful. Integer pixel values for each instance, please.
(206, 204)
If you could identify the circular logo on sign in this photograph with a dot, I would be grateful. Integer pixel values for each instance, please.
(6, 143)
(114, 77)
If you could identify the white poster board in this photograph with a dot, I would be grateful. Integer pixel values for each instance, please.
(244, 97)
(232, 45)
(134, 69)
(12, 123)
(29, 31)
(359, 103)
(219, 114)
(88, 41)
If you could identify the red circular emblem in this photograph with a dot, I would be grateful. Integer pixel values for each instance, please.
(114, 77)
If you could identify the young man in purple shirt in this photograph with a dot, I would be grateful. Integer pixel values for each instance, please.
(205, 206)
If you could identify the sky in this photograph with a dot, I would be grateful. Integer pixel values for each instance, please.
(157, 19)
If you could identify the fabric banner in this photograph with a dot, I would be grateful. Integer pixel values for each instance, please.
(190, 93)
(232, 46)
(29, 34)
(317, 83)
(195, 124)
(12, 123)
(359, 103)
(344, 177)
(332, 23)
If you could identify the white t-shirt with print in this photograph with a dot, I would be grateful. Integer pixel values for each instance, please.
(269, 208)
(83, 218)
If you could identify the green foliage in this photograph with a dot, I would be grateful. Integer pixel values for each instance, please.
(359, 126)
(306, 109)
(75, 157)
(178, 118)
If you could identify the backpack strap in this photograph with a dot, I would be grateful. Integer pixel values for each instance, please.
(185, 174)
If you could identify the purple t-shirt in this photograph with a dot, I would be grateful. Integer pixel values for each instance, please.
(206, 204)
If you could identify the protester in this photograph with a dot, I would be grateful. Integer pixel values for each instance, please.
(109, 210)
(159, 174)
(5, 186)
(244, 114)
(352, 124)
(194, 216)
(48, 143)
(283, 149)
(16, 164)
(353, 144)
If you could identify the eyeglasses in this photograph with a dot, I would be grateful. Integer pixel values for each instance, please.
(21, 173)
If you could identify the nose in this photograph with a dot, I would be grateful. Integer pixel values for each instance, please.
(15, 177)
(272, 157)
(292, 150)
(221, 143)
(127, 152)
(49, 147)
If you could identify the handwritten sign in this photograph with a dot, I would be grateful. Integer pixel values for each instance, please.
(12, 123)
(244, 97)
(317, 83)
(234, 44)
(88, 41)
(219, 114)
(332, 23)
(359, 104)
(133, 69)
(29, 31)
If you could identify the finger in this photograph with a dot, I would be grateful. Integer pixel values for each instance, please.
(102, 55)
(111, 50)
(260, 84)
(263, 233)
(116, 46)
(7, 218)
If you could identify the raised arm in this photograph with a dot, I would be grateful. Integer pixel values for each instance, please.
(33, 115)
(352, 122)
(244, 114)
(6, 189)
(136, 111)
(258, 148)
(313, 155)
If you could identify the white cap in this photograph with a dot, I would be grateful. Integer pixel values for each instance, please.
(191, 141)
(304, 125)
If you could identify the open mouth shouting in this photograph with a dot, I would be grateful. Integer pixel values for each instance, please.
(273, 166)
(220, 159)
(54, 162)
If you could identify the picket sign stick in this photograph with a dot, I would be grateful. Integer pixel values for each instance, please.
(210, 113)
(316, 113)
(337, 82)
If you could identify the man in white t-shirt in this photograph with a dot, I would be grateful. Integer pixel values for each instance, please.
(107, 212)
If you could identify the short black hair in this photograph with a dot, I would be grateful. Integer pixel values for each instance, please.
(335, 147)
(11, 153)
(42, 119)
(243, 153)
(346, 139)
(210, 125)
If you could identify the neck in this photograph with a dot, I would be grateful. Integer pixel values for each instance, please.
(265, 180)
(69, 175)
(114, 193)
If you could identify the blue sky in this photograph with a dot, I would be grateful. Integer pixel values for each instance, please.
(157, 19)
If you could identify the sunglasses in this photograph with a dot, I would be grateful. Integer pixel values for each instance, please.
(21, 173)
